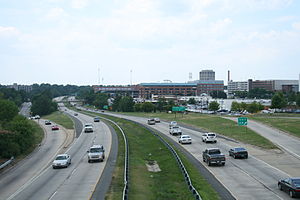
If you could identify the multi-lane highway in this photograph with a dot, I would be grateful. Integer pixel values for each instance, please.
(34, 178)
(250, 178)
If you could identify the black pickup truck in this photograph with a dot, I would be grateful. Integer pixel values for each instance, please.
(213, 156)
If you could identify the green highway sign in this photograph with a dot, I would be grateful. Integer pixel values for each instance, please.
(242, 121)
(178, 108)
(105, 107)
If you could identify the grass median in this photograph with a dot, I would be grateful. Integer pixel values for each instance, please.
(213, 123)
(61, 119)
(166, 184)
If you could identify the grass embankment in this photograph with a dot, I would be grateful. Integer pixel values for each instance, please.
(61, 119)
(216, 124)
(286, 124)
(166, 184)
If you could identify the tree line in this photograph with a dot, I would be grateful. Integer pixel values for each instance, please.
(16, 131)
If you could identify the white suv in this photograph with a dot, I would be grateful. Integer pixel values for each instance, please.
(175, 130)
(96, 153)
(209, 137)
(88, 127)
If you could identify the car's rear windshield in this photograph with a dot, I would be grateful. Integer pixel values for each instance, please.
(61, 158)
(96, 150)
(240, 149)
(214, 152)
(211, 134)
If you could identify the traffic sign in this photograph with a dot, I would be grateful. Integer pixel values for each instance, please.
(242, 121)
(178, 108)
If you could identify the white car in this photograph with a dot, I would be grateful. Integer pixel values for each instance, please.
(96, 153)
(185, 139)
(172, 124)
(209, 137)
(175, 130)
(61, 160)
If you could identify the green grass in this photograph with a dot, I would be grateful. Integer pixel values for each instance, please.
(167, 184)
(290, 125)
(60, 118)
(216, 124)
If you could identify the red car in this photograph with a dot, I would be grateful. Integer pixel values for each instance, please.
(55, 128)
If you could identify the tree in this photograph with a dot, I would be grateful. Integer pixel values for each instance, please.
(42, 104)
(214, 106)
(100, 100)
(260, 93)
(126, 104)
(243, 106)
(278, 101)
(254, 107)
(191, 101)
(241, 94)
(137, 107)
(116, 102)
(235, 106)
(218, 94)
(298, 99)
(8, 110)
(161, 103)
(148, 107)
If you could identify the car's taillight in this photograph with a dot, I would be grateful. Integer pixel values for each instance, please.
(298, 190)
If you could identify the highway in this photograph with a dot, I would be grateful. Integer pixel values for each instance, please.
(34, 179)
(250, 178)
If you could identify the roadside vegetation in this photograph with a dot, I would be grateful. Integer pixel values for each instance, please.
(18, 135)
(61, 119)
(166, 184)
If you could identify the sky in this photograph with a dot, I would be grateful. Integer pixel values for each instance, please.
(120, 42)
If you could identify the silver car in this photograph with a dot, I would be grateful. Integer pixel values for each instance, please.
(61, 160)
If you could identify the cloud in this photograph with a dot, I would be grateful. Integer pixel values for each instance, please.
(56, 13)
(79, 4)
(296, 25)
(8, 31)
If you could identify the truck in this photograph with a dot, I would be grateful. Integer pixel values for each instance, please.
(213, 156)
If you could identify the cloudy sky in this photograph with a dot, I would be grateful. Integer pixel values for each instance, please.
(124, 41)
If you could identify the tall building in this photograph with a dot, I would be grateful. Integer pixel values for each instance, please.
(275, 85)
(26, 88)
(234, 86)
(205, 75)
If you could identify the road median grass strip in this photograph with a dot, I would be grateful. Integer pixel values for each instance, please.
(166, 184)
(61, 119)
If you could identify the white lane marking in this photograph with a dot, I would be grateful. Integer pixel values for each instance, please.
(53, 195)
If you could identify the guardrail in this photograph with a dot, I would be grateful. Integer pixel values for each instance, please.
(126, 169)
(181, 165)
(7, 162)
